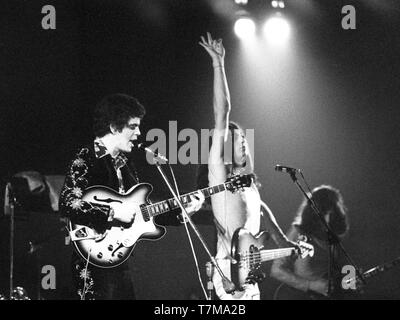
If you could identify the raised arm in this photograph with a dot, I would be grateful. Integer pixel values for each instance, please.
(221, 103)
(221, 99)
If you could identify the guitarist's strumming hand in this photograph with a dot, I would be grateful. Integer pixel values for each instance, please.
(125, 215)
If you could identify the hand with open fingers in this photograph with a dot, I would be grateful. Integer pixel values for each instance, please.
(214, 48)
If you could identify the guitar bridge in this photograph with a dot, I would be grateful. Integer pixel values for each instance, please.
(82, 233)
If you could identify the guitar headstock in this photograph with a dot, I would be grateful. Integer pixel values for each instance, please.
(239, 182)
(306, 249)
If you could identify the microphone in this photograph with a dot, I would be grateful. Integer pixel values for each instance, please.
(155, 154)
(278, 167)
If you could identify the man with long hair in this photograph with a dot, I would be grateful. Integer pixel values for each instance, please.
(309, 275)
(232, 210)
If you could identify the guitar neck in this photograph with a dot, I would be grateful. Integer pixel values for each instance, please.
(268, 255)
(381, 268)
(161, 207)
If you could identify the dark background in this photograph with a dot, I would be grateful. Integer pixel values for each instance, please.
(332, 110)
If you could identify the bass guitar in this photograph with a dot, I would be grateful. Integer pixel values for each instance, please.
(248, 253)
(112, 245)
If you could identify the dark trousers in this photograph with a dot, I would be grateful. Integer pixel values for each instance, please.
(101, 284)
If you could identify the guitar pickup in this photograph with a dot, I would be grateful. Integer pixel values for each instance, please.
(82, 233)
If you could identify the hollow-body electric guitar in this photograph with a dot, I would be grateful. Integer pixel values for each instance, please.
(248, 252)
(112, 245)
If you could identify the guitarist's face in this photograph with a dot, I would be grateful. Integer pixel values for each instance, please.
(128, 135)
(239, 148)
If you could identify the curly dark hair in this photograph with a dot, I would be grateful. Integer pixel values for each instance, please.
(115, 109)
(328, 200)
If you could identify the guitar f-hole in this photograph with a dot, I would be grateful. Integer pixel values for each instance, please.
(116, 249)
(108, 200)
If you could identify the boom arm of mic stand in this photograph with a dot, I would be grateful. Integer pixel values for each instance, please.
(228, 285)
(332, 237)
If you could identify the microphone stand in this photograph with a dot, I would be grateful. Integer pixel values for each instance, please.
(333, 239)
(11, 206)
(210, 285)
(228, 285)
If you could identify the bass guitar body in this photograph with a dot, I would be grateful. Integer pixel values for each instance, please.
(246, 265)
(250, 252)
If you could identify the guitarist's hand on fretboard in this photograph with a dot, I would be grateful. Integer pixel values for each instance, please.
(192, 206)
(297, 251)
(195, 203)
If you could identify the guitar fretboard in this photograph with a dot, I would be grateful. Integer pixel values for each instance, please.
(381, 268)
(268, 255)
(251, 258)
(161, 207)
(376, 270)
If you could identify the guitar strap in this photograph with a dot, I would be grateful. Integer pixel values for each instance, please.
(262, 222)
(129, 176)
(220, 229)
(222, 232)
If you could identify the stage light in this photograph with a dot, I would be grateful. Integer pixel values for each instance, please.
(241, 2)
(276, 30)
(245, 28)
(275, 4)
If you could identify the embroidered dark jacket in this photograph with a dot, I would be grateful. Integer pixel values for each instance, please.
(87, 170)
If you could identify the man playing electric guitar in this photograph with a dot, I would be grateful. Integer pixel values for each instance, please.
(103, 163)
(307, 278)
